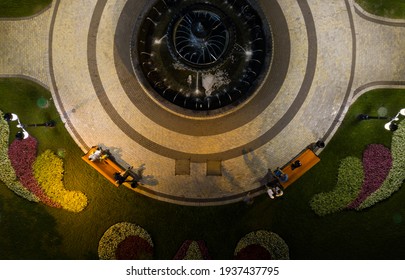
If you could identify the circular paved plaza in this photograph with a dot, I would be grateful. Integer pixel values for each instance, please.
(320, 62)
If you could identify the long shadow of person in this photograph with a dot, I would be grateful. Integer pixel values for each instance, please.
(252, 161)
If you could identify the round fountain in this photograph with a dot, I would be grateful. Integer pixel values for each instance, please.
(206, 56)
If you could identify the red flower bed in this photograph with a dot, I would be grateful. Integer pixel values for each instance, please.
(182, 252)
(253, 252)
(22, 154)
(134, 248)
(377, 163)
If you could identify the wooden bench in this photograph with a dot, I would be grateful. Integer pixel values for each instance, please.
(307, 158)
(106, 167)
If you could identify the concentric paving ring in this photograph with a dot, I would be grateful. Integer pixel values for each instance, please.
(255, 106)
(281, 109)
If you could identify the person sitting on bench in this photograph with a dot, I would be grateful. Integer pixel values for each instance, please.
(281, 175)
(278, 191)
(96, 155)
(296, 164)
(120, 177)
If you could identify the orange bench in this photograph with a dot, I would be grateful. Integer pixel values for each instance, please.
(307, 158)
(105, 167)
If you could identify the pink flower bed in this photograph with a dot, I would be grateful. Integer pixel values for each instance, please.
(377, 162)
(22, 154)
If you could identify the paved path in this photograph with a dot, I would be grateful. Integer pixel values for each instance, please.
(326, 53)
(24, 47)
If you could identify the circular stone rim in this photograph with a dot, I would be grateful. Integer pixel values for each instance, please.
(197, 126)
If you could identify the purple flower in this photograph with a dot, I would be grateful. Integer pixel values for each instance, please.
(377, 162)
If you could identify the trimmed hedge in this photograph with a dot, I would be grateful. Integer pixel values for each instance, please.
(48, 171)
(350, 180)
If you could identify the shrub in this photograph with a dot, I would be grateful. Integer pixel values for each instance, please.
(273, 243)
(377, 162)
(117, 236)
(396, 176)
(48, 171)
(350, 179)
(22, 155)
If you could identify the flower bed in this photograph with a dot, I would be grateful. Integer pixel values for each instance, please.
(384, 174)
(48, 171)
(192, 250)
(377, 162)
(35, 179)
(350, 179)
(7, 173)
(396, 176)
(254, 252)
(261, 245)
(125, 241)
(22, 155)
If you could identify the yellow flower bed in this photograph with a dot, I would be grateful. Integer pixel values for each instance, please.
(48, 171)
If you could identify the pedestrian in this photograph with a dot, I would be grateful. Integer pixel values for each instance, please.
(270, 192)
(248, 199)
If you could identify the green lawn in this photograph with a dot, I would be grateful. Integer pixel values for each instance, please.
(385, 8)
(22, 8)
(35, 231)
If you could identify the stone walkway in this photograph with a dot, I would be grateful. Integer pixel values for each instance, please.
(326, 53)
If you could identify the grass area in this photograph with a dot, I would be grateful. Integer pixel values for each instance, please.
(385, 8)
(35, 231)
(22, 8)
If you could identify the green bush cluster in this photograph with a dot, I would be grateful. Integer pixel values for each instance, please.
(396, 176)
(7, 173)
(48, 171)
(350, 180)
